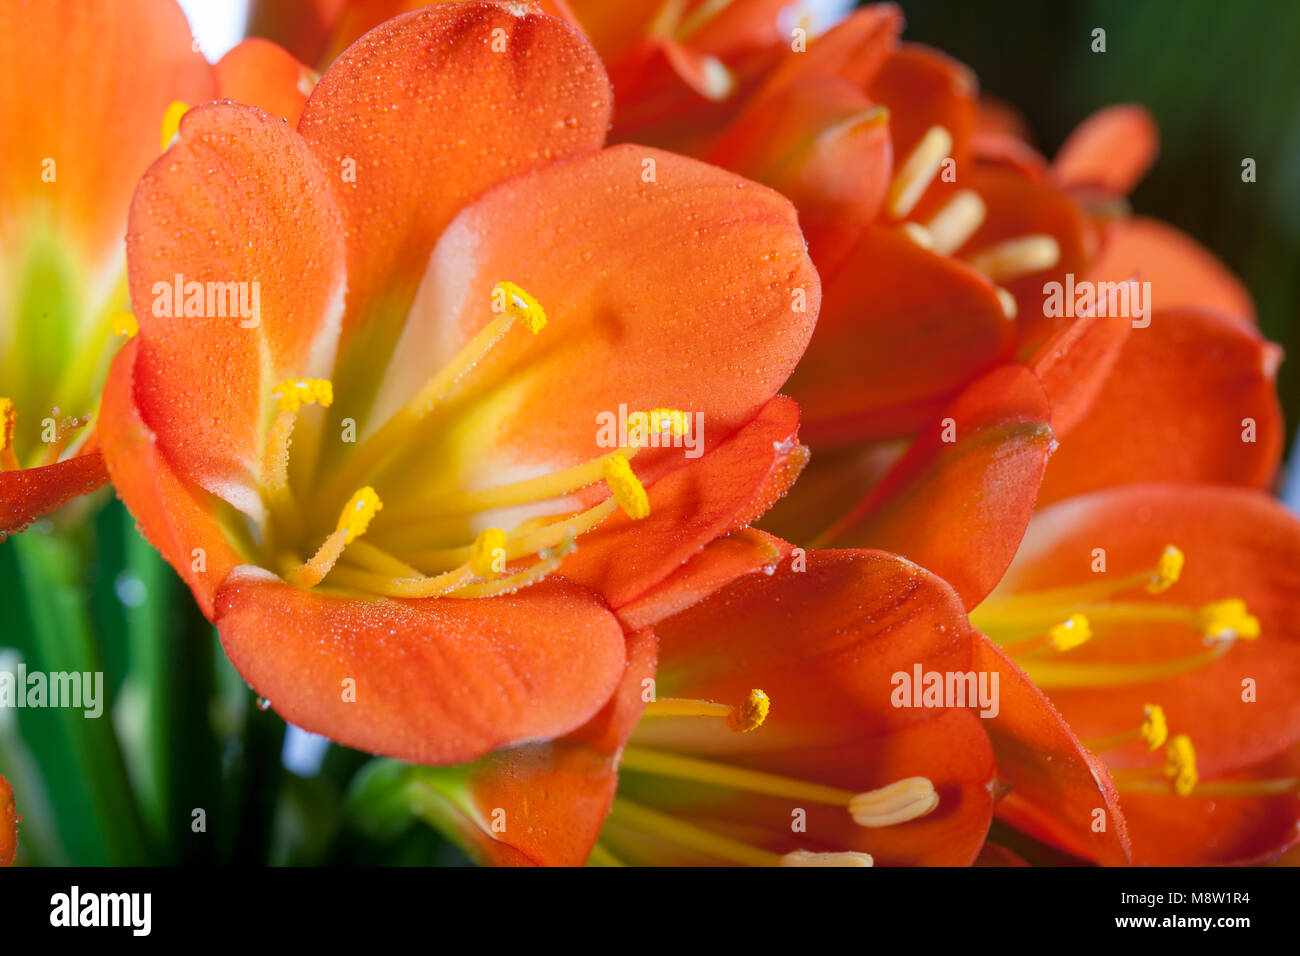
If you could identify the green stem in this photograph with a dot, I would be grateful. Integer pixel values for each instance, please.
(99, 810)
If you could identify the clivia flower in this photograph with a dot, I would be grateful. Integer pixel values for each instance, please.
(384, 483)
(755, 728)
(113, 84)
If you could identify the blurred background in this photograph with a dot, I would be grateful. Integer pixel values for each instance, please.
(1223, 82)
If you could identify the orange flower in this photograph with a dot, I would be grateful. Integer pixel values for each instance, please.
(109, 81)
(444, 284)
(9, 821)
(755, 727)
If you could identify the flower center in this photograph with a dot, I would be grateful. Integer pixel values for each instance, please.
(416, 544)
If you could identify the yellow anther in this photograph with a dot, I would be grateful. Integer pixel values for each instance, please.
(1154, 729)
(8, 421)
(668, 419)
(1227, 620)
(808, 858)
(487, 557)
(918, 234)
(751, 714)
(1070, 633)
(357, 514)
(899, 802)
(626, 487)
(1180, 765)
(521, 306)
(957, 221)
(171, 122)
(125, 325)
(1167, 570)
(295, 393)
(1007, 301)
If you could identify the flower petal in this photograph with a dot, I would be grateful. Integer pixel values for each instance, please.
(28, 493)
(425, 112)
(959, 507)
(1237, 543)
(1181, 272)
(1190, 398)
(1057, 786)
(1110, 151)
(428, 681)
(239, 211)
(901, 331)
(259, 73)
(175, 516)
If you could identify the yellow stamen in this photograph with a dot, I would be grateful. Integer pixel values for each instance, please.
(1167, 571)
(1180, 764)
(808, 858)
(63, 429)
(171, 122)
(748, 715)
(125, 325)
(405, 585)
(896, 803)
(903, 800)
(489, 549)
(918, 170)
(290, 396)
(1155, 731)
(8, 421)
(522, 306)
(957, 221)
(1018, 257)
(550, 560)
(352, 523)
(626, 487)
(625, 813)
(1054, 674)
(1227, 620)
(1070, 633)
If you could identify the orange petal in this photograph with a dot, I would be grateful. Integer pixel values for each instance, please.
(718, 564)
(28, 493)
(1196, 831)
(85, 86)
(923, 88)
(691, 506)
(1237, 543)
(901, 331)
(174, 515)
(959, 507)
(552, 796)
(260, 73)
(1057, 786)
(1075, 363)
(428, 681)
(239, 199)
(824, 644)
(1110, 151)
(820, 144)
(423, 114)
(303, 27)
(713, 328)
(1176, 406)
(856, 49)
(1181, 272)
